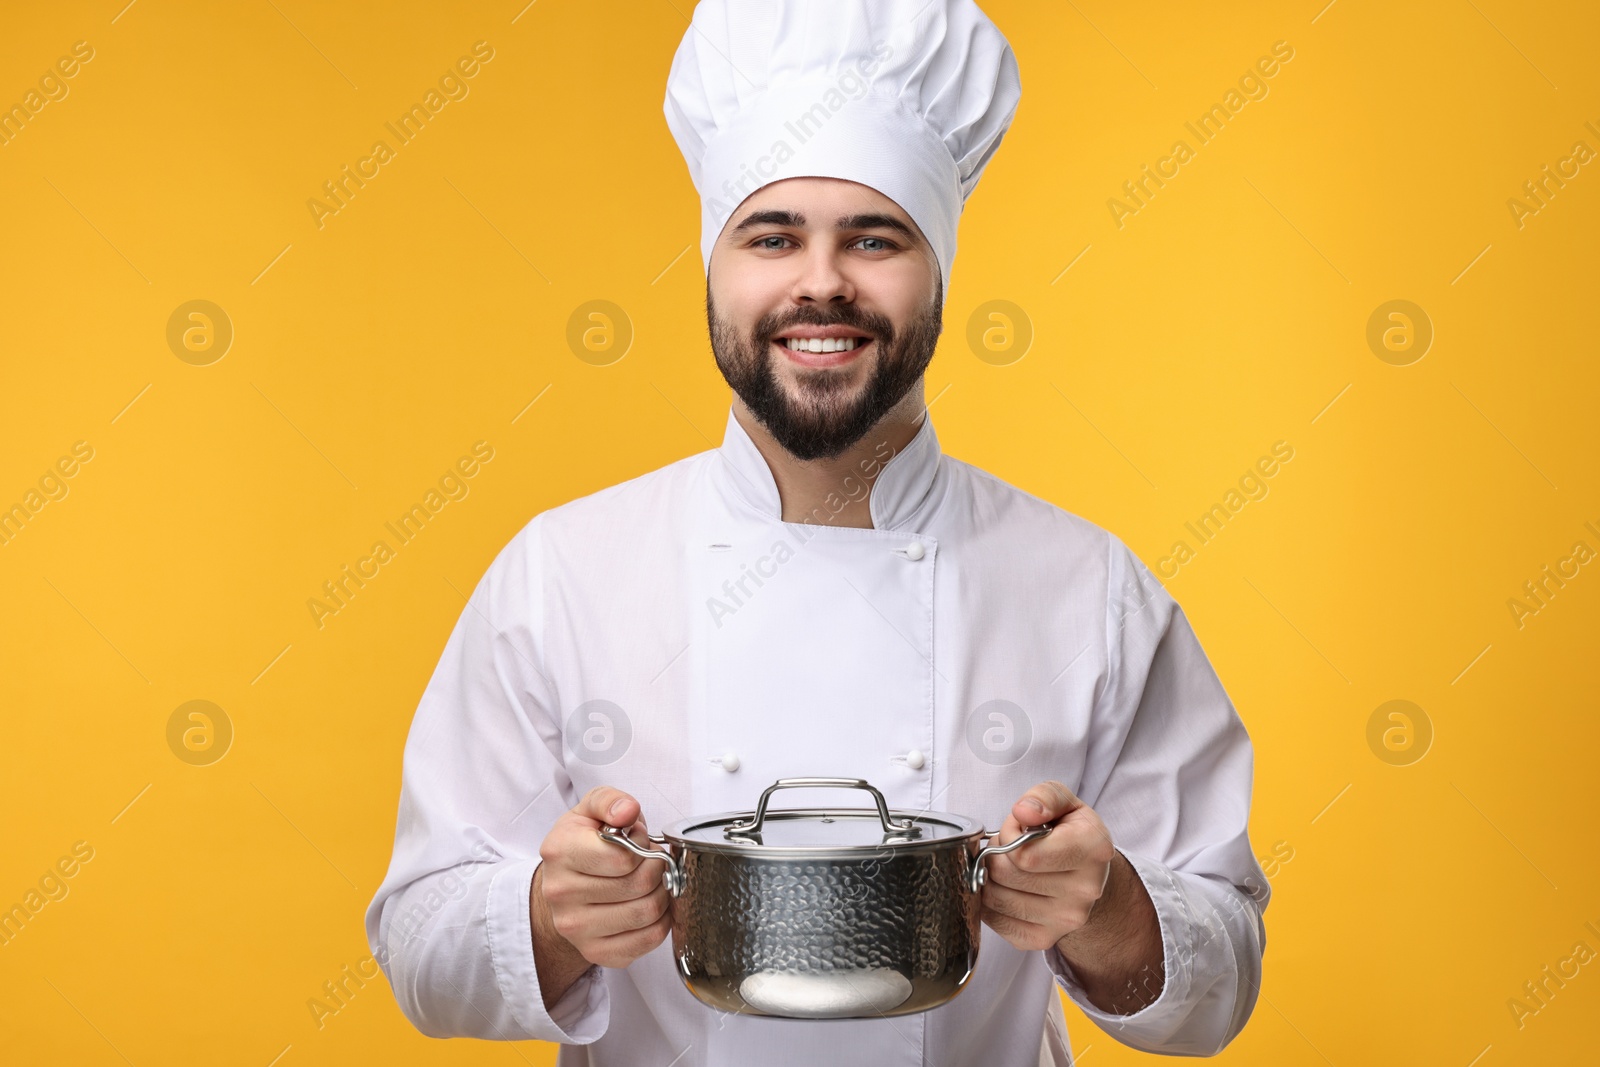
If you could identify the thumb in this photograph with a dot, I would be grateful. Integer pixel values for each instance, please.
(1044, 802)
(609, 805)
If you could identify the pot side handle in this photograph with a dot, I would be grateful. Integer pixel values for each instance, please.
(672, 877)
(980, 870)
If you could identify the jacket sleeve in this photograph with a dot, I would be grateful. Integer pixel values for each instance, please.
(482, 783)
(1169, 772)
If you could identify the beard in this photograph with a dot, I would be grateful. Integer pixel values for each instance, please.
(829, 415)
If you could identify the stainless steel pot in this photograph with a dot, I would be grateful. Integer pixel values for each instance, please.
(825, 913)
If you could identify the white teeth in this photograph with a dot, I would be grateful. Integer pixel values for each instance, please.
(822, 344)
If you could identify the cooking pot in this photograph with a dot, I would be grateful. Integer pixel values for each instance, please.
(825, 913)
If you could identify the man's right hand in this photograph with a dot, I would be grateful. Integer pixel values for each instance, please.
(607, 904)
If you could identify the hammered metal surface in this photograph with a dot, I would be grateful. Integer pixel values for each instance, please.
(740, 915)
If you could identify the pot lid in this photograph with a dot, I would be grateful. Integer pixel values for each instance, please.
(823, 829)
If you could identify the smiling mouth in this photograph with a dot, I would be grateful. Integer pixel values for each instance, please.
(822, 344)
(820, 352)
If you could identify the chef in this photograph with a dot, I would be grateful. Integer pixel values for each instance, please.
(825, 594)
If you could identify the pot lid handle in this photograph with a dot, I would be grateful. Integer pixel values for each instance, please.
(752, 826)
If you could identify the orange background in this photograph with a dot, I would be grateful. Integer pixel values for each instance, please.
(1228, 313)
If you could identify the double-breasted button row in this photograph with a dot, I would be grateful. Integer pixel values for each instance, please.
(915, 759)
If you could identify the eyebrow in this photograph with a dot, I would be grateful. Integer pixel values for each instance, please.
(794, 219)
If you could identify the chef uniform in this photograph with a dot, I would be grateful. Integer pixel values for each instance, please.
(673, 637)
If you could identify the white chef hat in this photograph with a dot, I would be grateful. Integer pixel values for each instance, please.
(909, 97)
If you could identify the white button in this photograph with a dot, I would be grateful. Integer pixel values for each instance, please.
(730, 761)
(915, 759)
(914, 551)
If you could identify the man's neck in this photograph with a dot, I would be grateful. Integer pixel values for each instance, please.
(836, 492)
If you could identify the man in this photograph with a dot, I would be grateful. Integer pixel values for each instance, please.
(824, 594)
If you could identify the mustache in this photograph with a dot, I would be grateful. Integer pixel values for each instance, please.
(875, 326)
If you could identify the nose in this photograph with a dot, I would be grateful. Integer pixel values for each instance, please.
(821, 279)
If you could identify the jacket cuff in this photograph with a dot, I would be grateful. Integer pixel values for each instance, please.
(582, 1014)
(1161, 1016)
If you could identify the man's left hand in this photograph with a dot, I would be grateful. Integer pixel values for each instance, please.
(1049, 887)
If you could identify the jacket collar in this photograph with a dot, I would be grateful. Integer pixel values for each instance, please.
(902, 486)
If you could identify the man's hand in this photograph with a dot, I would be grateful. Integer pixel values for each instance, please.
(1072, 890)
(1047, 888)
(594, 902)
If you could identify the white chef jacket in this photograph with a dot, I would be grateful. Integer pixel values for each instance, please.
(637, 636)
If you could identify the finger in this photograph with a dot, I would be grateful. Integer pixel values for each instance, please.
(609, 805)
(608, 920)
(1069, 846)
(619, 950)
(1066, 907)
(1044, 802)
(640, 833)
(578, 846)
(595, 889)
(1024, 935)
(1004, 870)
(1023, 906)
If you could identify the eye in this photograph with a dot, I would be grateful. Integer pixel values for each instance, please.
(764, 243)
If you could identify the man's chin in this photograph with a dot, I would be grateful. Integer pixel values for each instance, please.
(822, 405)
(805, 428)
